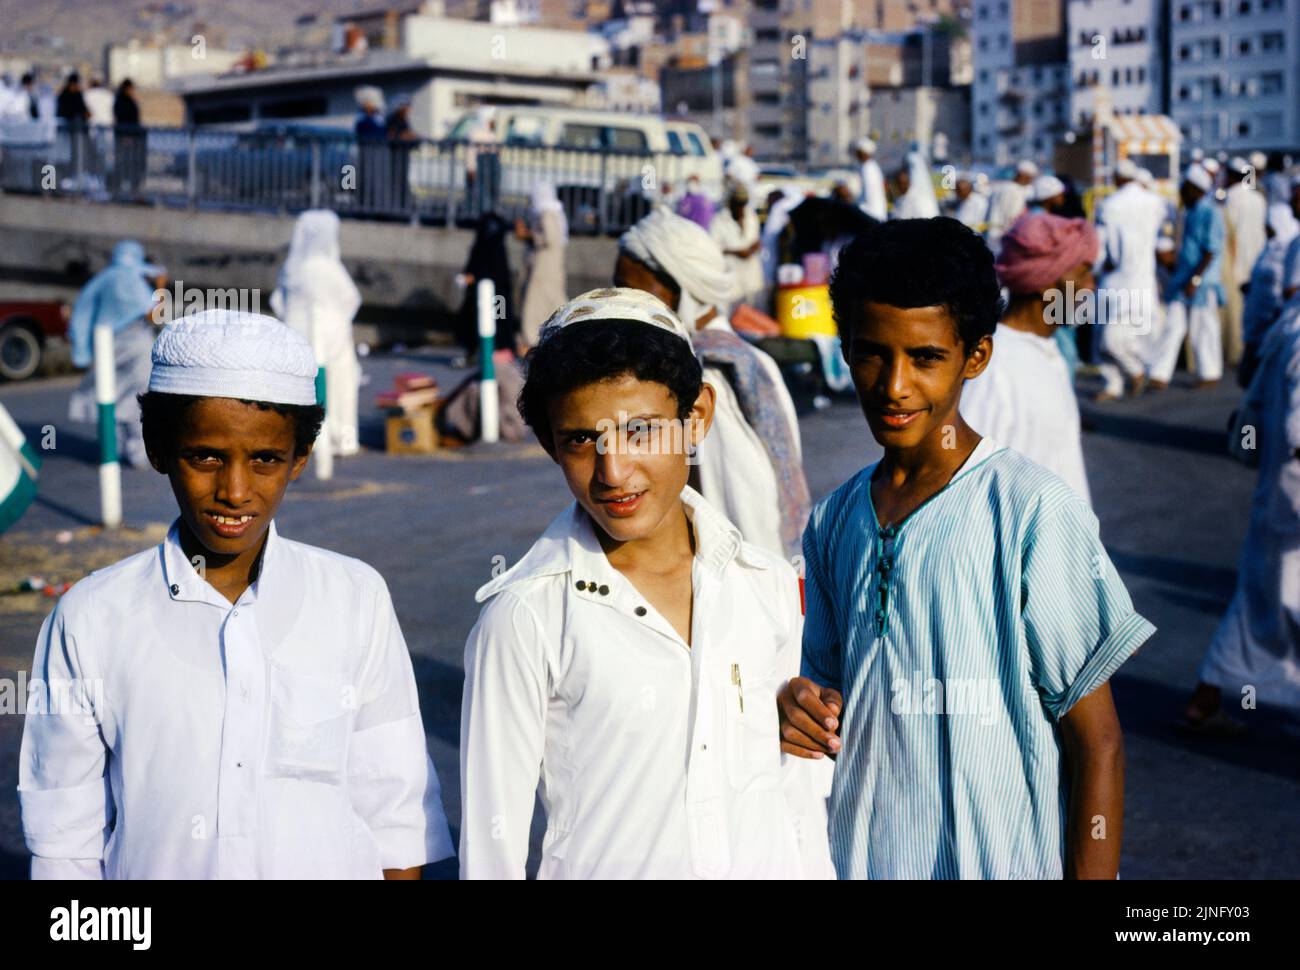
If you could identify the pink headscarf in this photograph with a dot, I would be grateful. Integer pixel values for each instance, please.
(1040, 248)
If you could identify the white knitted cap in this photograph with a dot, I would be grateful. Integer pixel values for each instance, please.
(229, 353)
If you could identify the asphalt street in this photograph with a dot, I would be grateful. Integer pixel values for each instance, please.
(1173, 510)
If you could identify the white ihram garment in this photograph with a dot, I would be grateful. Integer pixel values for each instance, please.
(316, 297)
(1129, 296)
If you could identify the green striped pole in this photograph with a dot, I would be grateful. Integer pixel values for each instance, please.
(489, 418)
(110, 472)
(322, 453)
(19, 467)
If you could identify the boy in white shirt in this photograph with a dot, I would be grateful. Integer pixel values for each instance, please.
(627, 667)
(231, 704)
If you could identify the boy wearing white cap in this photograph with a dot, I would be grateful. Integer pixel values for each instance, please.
(1195, 291)
(626, 668)
(230, 704)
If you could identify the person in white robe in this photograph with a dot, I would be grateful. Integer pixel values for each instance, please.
(972, 208)
(917, 199)
(778, 217)
(1194, 291)
(1025, 397)
(1245, 212)
(873, 200)
(1256, 649)
(735, 229)
(737, 472)
(315, 296)
(230, 703)
(1007, 200)
(1128, 295)
(1264, 300)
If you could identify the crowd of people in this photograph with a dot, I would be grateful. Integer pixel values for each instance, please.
(937, 670)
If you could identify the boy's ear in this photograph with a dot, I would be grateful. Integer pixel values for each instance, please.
(979, 358)
(701, 417)
(156, 461)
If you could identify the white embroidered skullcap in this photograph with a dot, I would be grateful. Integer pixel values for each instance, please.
(1047, 187)
(866, 146)
(1145, 177)
(1211, 165)
(1259, 160)
(615, 303)
(1239, 165)
(1026, 167)
(1198, 176)
(1126, 168)
(229, 353)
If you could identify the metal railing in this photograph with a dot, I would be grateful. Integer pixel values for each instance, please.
(286, 170)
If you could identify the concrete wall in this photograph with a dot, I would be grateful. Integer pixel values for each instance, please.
(405, 273)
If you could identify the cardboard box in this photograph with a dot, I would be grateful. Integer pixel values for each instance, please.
(411, 434)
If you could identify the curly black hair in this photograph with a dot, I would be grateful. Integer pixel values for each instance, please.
(919, 262)
(160, 419)
(586, 353)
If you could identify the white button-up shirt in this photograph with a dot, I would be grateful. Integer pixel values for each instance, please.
(655, 759)
(181, 736)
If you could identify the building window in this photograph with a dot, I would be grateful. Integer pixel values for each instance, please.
(1243, 127)
(1243, 46)
(1273, 42)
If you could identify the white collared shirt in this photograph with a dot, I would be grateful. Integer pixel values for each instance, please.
(653, 759)
(278, 737)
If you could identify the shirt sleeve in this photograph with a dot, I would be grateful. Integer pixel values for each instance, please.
(391, 779)
(1078, 619)
(502, 738)
(63, 788)
(822, 649)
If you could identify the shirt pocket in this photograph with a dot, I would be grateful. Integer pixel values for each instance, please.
(752, 729)
(309, 727)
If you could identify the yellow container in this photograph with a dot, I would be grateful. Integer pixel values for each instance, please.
(804, 310)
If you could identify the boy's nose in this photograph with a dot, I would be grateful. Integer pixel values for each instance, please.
(234, 486)
(613, 463)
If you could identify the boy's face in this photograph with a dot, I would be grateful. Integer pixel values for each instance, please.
(229, 468)
(635, 274)
(623, 451)
(908, 366)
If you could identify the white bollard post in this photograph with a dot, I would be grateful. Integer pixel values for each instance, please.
(489, 414)
(110, 472)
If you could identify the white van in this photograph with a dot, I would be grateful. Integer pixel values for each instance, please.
(580, 149)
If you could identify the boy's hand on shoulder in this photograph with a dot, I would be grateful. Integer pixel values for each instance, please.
(810, 718)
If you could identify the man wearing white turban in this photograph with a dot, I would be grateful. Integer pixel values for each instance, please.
(316, 297)
(872, 201)
(750, 466)
(1007, 200)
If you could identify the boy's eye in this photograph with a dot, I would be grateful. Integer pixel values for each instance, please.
(579, 439)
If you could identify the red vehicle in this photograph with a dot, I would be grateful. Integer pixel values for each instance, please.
(26, 328)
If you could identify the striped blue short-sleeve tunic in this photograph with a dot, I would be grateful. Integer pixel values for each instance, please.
(958, 638)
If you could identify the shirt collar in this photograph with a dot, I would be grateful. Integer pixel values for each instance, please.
(183, 581)
(569, 545)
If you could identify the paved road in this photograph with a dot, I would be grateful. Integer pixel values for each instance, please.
(1173, 510)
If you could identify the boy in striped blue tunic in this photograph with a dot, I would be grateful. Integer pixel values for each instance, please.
(963, 618)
